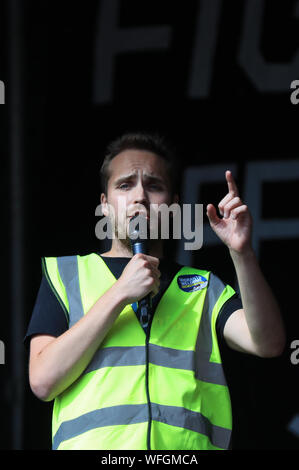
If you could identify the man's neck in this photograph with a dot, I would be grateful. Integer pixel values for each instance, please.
(123, 250)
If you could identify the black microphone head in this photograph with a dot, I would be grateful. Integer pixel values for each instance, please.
(138, 230)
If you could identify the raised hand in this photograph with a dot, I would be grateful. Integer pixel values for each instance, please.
(235, 226)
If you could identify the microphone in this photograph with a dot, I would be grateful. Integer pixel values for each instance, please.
(138, 240)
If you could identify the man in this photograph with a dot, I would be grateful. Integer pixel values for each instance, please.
(122, 383)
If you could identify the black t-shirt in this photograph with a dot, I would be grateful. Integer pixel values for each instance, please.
(48, 316)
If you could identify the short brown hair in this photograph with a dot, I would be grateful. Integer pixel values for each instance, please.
(153, 142)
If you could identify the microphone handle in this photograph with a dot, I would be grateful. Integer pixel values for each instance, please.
(145, 304)
(138, 247)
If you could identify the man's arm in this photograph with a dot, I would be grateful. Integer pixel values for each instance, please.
(55, 363)
(258, 327)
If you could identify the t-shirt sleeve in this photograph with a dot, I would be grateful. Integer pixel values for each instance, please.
(48, 316)
(231, 305)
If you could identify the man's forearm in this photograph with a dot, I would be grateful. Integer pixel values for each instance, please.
(63, 360)
(261, 310)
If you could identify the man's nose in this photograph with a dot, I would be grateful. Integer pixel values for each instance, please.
(140, 195)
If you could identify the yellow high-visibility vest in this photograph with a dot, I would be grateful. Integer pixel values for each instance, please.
(164, 390)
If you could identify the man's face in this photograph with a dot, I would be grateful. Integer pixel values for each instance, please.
(138, 179)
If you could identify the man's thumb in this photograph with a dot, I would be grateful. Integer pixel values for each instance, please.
(212, 215)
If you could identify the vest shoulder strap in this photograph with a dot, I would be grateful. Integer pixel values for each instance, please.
(50, 271)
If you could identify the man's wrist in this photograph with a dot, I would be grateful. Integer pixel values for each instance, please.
(119, 295)
(243, 256)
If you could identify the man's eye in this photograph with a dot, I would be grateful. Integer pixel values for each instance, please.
(155, 187)
(124, 186)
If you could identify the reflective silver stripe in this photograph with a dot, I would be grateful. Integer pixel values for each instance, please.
(204, 369)
(169, 357)
(110, 416)
(131, 414)
(187, 419)
(160, 356)
(117, 356)
(207, 371)
(68, 270)
(134, 356)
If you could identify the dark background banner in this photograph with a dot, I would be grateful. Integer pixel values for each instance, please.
(215, 77)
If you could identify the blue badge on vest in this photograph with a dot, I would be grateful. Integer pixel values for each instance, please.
(134, 307)
(192, 282)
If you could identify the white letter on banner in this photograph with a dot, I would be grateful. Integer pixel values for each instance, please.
(208, 15)
(266, 77)
(111, 40)
(256, 174)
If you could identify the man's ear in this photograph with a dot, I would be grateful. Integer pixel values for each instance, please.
(104, 205)
(175, 199)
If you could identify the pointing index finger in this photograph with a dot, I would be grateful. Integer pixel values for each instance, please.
(232, 187)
